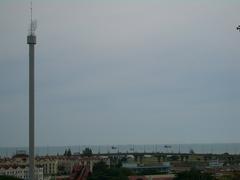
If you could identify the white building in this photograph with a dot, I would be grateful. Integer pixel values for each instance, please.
(50, 165)
(215, 164)
(21, 172)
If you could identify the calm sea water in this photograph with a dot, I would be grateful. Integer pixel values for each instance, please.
(231, 148)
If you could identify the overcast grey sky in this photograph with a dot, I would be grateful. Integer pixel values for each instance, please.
(120, 72)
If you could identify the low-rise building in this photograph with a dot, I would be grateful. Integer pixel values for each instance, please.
(50, 165)
(215, 164)
(21, 172)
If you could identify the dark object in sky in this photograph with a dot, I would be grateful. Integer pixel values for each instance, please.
(238, 28)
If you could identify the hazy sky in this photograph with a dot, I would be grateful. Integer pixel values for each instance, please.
(121, 72)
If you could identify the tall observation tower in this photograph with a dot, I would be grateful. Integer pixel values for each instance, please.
(31, 41)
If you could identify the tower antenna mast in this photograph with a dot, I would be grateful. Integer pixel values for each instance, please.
(31, 41)
(33, 23)
(31, 15)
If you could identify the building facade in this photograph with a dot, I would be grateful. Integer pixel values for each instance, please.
(21, 172)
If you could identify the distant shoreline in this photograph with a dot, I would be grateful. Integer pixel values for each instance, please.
(215, 148)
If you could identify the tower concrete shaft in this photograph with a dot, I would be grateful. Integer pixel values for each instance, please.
(31, 40)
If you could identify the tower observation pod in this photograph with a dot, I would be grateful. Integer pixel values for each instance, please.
(31, 41)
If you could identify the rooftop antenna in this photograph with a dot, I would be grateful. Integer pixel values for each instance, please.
(31, 11)
(33, 23)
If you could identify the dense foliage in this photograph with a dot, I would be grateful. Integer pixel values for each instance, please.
(87, 152)
(233, 176)
(194, 175)
(67, 152)
(102, 172)
(8, 178)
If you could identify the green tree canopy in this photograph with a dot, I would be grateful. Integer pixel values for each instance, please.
(102, 172)
(67, 152)
(87, 152)
(9, 178)
(194, 174)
